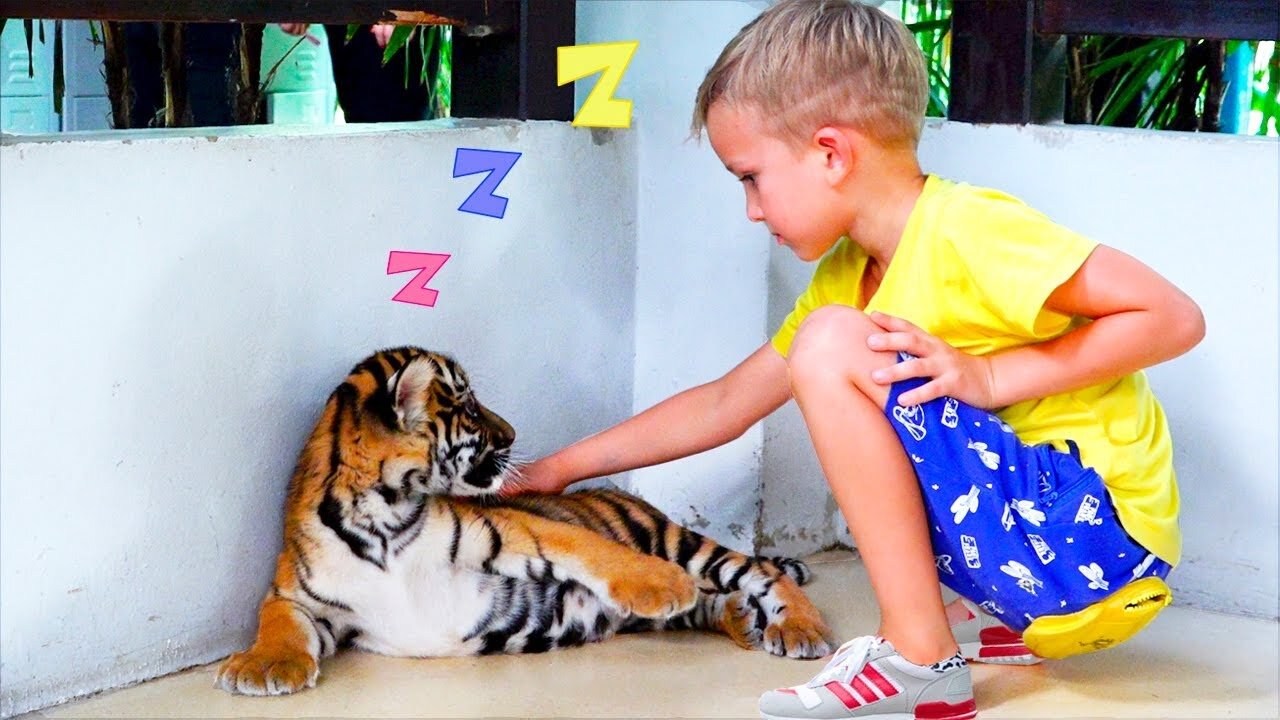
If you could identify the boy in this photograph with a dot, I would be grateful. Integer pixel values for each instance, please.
(934, 303)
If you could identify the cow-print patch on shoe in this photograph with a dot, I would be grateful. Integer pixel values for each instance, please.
(951, 663)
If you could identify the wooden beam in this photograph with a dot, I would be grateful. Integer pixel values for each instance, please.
(1213, 19)
(504, 51)
(453, 12)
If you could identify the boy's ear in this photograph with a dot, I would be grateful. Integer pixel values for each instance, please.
(838, 150)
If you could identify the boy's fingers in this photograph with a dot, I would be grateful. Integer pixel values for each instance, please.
(888, 322)
(922, 394)
(900, 371)
(900, 340)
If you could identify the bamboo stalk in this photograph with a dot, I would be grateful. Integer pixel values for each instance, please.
(174, 64)
(117, 73)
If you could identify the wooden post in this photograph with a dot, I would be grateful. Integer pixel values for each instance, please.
(506, 68)
(1001, 70)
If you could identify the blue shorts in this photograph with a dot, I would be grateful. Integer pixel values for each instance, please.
(1021, 530)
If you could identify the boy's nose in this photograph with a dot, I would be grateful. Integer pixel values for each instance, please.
(754, 213)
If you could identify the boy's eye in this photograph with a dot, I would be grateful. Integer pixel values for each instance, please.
(748, 178)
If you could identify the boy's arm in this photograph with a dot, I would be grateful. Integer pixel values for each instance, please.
(697, 419)
(1139, 319)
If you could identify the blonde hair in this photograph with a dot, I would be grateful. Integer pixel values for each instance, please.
(803, 64)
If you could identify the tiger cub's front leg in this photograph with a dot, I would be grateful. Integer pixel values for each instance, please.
(518, 544)
(284, 658)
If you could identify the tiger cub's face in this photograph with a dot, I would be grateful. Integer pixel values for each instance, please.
(442, 440)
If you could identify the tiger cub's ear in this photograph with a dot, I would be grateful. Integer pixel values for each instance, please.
(409, 392)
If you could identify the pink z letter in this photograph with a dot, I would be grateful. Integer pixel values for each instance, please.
(416, 291)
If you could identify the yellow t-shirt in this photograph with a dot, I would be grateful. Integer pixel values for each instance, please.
(974, 268)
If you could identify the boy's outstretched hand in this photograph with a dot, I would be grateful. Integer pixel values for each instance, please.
(956, 374)
(535, 477)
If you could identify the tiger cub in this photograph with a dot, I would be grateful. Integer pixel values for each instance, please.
(395, 542)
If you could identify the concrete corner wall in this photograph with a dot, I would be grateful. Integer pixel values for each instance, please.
(174, 312)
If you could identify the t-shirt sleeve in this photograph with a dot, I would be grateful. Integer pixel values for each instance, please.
(1016, 257)
(811, 299)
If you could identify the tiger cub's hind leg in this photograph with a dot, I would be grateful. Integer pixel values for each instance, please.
(744, 618)
(768, 609)
(765, 607)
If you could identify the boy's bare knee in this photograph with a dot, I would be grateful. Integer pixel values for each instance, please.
(832, 340)
(832, 337)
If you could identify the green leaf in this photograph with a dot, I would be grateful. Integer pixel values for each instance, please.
(352, 29)
(1147, 51)
(399, 37)
(29, 29)
(1160, 60)
(1160, 108)
(428, 40)
(929, 25)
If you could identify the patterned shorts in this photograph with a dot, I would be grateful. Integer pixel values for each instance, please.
(1021, 530)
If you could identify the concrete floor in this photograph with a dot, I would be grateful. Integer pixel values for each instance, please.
(1187, 664)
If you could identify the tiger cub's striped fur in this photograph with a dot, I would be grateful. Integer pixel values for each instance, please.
(395, 542)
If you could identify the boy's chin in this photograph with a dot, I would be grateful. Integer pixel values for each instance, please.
(808, 254)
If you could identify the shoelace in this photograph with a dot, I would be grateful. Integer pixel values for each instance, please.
(847, 662)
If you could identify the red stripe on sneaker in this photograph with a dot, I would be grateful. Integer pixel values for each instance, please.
(864, 690)
(999, 635)
(880, 681)
(947, 711)
(843, 695)
(1004, 651)
(788, 691)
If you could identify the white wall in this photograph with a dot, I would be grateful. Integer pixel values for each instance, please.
(1200, 209)
(174, 312)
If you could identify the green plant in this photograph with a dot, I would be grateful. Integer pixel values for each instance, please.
(1162, 83)
(435, 48)
(1165, 83)
(1265, 103)
(930, 22)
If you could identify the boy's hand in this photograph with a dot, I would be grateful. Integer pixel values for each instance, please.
(955, 374)
(536, 477)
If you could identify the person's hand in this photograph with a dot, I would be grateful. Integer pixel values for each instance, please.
(956, 374)
(535, 477)
(295, 29)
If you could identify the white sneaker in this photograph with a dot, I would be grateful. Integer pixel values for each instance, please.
(869, 680)
(985, 639)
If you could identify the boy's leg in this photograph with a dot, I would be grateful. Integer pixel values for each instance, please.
(871, 478)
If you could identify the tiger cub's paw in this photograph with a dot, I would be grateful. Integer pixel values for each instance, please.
(743, 621)
(795, 628)
(267, 673)
(795, 569)
(803, 638)
(653, 588)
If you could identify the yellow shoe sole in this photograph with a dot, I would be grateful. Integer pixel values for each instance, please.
(1101, 625)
